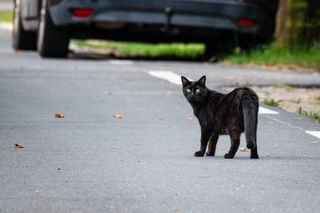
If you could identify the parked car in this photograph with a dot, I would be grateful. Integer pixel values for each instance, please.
(48, 25)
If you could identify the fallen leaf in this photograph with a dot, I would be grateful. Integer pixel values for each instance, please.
(243, 149)
(18, 146)
(140, 109)
(189, 118)
(58, 115)
(119, 116)
(107, 93)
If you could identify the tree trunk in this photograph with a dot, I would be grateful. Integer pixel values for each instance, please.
(281, 33)
(297, 23)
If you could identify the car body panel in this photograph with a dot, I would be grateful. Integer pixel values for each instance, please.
(207, 14)
(168, 16)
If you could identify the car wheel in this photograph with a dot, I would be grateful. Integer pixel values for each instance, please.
(212, 52)
(53, 41)
(22, 39)
(218, 49)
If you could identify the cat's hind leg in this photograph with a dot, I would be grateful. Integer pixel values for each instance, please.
(254, 153)
(212, 144)
(235, 142)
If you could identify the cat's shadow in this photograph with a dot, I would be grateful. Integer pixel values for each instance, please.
(267, 157)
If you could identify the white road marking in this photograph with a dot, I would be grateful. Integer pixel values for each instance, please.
(166, 75)
(121, 62)
(314, 133)
(176, 79)
(6, 26)
(263, 110)
(285, 123)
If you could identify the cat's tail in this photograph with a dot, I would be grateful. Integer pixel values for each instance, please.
(250, 107)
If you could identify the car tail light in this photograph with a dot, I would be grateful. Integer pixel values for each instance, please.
(81, 12)
(247, 22)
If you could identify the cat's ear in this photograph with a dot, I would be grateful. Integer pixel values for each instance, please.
(185, 81)
(202, 81)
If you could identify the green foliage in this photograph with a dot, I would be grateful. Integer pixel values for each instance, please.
(285, 87)
(178, 50)
(308, 114)
(295, 20)
(298, 23)
(273, 55)
(318, 100)
(247, 84)
(270, 102)
(6, 15)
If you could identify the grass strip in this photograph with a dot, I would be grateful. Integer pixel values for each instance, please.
(6, 16)
(309, 114)
(138, 49)
(272, 55)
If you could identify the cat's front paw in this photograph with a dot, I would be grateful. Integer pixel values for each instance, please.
(199, 154)
(210, 153)
(228, 156)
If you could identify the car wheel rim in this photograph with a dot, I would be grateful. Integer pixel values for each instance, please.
(16, 18)
(41, 27)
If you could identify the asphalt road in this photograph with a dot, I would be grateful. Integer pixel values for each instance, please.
(6, 4)
(90, 161)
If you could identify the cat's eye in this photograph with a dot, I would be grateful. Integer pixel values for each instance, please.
(188, 90)
(198, 90)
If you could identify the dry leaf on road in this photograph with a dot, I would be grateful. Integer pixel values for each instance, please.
(243, 149)
(119, 116)
(141, 109)
(58, 115)
(18, 146)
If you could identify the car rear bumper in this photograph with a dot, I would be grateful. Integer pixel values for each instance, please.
(170, 14)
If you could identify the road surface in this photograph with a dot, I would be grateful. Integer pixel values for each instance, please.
(90, 161)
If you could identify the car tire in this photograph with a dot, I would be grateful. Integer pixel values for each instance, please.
(211, 52)
(218, 49)
(22, 39)
(53, 41)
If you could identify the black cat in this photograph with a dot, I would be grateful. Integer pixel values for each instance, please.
(220, 114)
